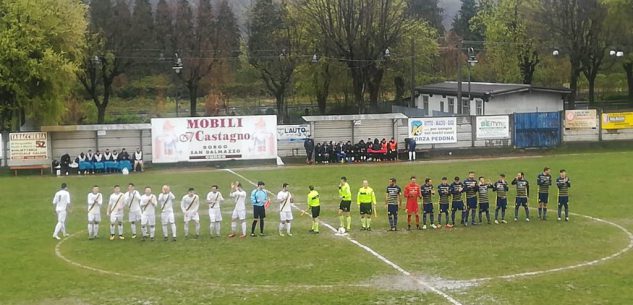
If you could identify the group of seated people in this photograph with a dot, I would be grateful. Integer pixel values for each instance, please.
(98, 162)
(362, 151)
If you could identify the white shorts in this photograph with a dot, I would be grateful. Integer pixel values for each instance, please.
(94, 218)
(148, 220)
(215, 215)
(167, 218)
(239, 214)
(192, 216)
(285, 216)
(61, 216)
(134, 216)
(116, 217)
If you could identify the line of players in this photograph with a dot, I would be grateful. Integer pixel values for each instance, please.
(142, 208)
(477, 196)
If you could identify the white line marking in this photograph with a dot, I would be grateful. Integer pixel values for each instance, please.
(576, 266)
(374, 253)
(59, 254)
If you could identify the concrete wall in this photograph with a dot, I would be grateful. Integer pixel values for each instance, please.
(75, 142)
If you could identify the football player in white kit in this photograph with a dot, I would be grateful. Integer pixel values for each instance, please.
(115, 211)
(189, 205)
(239, 195)
(95, 200)
(61, 201)
(133, 203)
(215, 199)
(138, 160)
(148, 214)
(285, 210)
(166, 203)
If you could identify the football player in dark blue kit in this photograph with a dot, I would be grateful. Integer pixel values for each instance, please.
(544, 181)
(484, 201)
(427, 202)
(563, 184)
(444, 190)
(457, 190)
(501, 187)
(470, 187)
(523, 193)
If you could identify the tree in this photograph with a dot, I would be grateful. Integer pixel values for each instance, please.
(164, 28)
(620, 12)
(429, 11)
(108, 42)
(272, 38)
(598, 43)
(512, 50)
(40, 43)
(142, 36)
(228, 33)
(359, 33)
(461, 22)
(571, 24)
(196, 45)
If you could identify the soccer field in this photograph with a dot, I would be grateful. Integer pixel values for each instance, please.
(585, 261)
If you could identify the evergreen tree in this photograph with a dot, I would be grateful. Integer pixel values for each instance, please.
(461, 22)
(164, 28)
(429, 11)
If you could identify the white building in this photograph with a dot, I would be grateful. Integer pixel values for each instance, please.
(488, 99)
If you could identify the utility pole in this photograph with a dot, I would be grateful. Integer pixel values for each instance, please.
(459, 77)
(413, 52)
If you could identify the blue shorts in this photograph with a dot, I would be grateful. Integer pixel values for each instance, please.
(543, 197)
(444, 208)
(563, 201)
(484, 207)
(458, 205)
(502, 202)
(427, 207)
(392, 209)
(472, 202)
(522, 201)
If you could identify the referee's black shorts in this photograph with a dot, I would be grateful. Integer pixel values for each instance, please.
(366, 208)
(345, 205)
(259, 212)
(316, 211)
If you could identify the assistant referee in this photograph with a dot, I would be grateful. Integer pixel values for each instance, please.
(314, 204)
(366, 199)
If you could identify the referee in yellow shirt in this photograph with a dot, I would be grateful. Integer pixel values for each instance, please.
(366, 199)
(314, 205)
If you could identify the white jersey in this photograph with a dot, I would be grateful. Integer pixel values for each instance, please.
(61, 200)
(133, 201)
(107, 156)
(190, 204)
(285, 201)
(214, 199)
(98, 157)
(116, 204)
(240, 199)
(138, 156)
(166, 202)
(94, 203)
(148, 204)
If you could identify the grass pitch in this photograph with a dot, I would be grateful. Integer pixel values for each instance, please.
(325, 269)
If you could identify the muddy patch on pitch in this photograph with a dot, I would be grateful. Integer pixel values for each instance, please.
(418, 283)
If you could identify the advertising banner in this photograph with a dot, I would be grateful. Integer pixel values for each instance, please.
(293, 133)
(28, 146)
(493, 127)
(214, 138)
(433, 130)
(620, 120)
(581, 119)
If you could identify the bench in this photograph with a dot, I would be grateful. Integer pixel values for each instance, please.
(15, 169)
(403, 154)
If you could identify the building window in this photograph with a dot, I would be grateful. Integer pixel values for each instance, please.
(442, 106)
(425, 102)
(465, 107)
(451, 105)
(480, 107)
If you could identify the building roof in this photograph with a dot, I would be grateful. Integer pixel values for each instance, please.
(67, 128)
(354, 117)
(484, 90)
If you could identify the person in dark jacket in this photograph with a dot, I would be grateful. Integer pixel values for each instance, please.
(308, 145)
